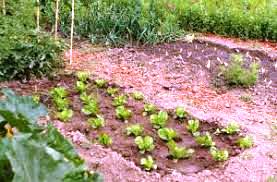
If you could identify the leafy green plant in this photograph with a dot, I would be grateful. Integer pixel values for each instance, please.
(105, 139)
(137, 95)
(180, 112)
(82, 76)
(101, 83)
(245, 142)
(179, 152)
(112, 91)
(135, 129)
(97, 122)
(219, 155)
(193, 126)
(148, 163)
(120, 100)
(149, 109)
(91, 108)
(159, 120)
(58, 92)
(236, 74)
(61, 103)
(36, 98)
(167, 134)
(231, 128)
(85, 98)
(81, 86)
(123, 113)
(65, 114)
(246, 98)
(205, 140)
(145, 144)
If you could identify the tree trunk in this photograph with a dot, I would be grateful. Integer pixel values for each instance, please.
(71, 34)
(56, 19)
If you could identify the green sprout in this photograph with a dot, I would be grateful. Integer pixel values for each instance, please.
(205, 140)
(65, 115)
(58, 92)
(97, 122)
(101, 83)
(193, 126)
(81, 86)
(148, 163)
(167, 134)
(104, 139)
(159, 120)
(122, 113)
(112, 91)
(180, 112)
(135, 129)
(36, 98)
(145, 143)
(86, 99)
(219, 155)
(82, 76)
(120, 100)
(149, 109)
(91, 108)
(61, 103)
(137, 95)
(245, 142)
(231, 128)
(179, 152)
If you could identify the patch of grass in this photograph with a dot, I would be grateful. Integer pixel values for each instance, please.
(235, 74)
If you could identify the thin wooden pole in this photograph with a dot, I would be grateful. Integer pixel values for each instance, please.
(71, 34)
(38, 14)
(4, 7)
(56, 19)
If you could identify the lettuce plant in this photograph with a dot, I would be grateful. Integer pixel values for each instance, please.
(97, 122)
(159, 120)
(120, 100)
(85, 98)
(180, 112)
(219, 155)
(81, 86)
(193, 126)
(137, 95)
(149, 109)
(82, 76)
(58, 92)
(135, 129)
(112, 91)
(167, 134)
(148, 163)
(91, 108)
(65, 114)
(36, 98)
(123, 113)
(179, 152)
(231, 128)
(205, 140)
(245, 142)
(61, 103)
(101, 83)
(105, 139)
(145, 143)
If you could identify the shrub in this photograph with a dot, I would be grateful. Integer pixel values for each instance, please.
(235, 74)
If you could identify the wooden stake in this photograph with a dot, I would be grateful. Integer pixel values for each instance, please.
(71, 34)
(4, 7)
(56, 19)
(38, 14)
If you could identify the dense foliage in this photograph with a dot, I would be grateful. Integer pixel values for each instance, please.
(30, 152)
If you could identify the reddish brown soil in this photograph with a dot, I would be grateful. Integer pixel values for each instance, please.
(115, 128)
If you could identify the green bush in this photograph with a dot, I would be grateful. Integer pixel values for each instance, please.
(236, 75)
(25, 53)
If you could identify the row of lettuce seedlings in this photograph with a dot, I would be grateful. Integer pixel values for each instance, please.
(158, 119)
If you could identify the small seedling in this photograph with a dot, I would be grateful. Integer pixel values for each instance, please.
(58, 92)
(65, 115)
(219, 155)
(180, 112)
(81, 86)
(159, 120)
(193, 126)
(91, 108)
(231, 128)
(61, 103)
(82, 76)
(36, 98)
(149, 109)
(112, 91)
(97, 122)
(122, 113)
(148, 163)
(167, 134)
(179, 152)
(245, 142)
(105, 139)
(144, 143)
(86, 99)
(137, 95)
(135, 129)
(120, 100)
(101, 83)
(205, 140)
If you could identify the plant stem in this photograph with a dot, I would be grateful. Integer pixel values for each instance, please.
(71, 34)
(38, 14)
(4, 7)
(56, 19)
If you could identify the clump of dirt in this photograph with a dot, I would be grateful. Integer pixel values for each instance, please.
(124, 144)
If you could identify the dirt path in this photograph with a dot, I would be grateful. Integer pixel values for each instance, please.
(181, 74)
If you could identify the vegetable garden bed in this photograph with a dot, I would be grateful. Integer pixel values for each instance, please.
(115, 128)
